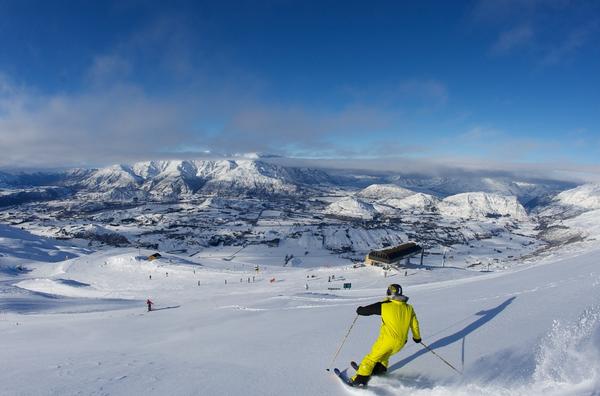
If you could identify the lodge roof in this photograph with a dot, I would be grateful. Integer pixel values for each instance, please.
(396, 253)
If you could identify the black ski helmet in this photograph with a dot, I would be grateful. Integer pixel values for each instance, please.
(394, 290)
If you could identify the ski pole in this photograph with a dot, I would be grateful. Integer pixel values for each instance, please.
(441, 358)
(343, 341)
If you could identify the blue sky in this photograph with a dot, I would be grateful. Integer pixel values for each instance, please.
(476, 82)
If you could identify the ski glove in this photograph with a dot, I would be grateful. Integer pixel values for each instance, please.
(417, 340)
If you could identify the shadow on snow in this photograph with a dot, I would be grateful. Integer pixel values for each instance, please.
(485, 316)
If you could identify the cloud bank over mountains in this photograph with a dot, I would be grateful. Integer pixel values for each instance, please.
(196, 82)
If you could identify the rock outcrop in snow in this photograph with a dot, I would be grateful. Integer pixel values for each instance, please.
(482, 205)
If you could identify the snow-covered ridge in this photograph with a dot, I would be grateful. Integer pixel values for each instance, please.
(351, 207)
(481, 205)
(384, 191)
(388, 199)
(416, 202)
(115, 176)
(586, 196)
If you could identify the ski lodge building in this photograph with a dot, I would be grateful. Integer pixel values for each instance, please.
(394, 255)
(154, 256)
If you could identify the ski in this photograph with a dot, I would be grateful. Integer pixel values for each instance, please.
(343, 377)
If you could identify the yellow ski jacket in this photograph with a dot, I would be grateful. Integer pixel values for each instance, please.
(396, 318)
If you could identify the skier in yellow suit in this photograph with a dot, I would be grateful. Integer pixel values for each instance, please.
(396, 318)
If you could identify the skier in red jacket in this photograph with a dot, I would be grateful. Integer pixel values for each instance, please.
(150, 304)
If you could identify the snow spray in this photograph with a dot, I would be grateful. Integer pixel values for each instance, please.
(569, 356)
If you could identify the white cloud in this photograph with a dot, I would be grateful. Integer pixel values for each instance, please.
(97, 127)
(449, 166)
(479, 132)
(120, 122)
(109, 68)
(564, 50)
(516, 37)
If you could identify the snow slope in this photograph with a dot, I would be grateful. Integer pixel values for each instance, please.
(530, 331)
(19, 248)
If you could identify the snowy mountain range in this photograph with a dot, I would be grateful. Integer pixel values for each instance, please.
(525, 190)
(255, 175)
(477, 205)
(179, 178)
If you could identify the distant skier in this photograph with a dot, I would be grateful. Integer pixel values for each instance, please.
(396, 318)
(150, 304)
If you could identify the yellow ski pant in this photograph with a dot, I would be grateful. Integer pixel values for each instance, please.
(382, 349)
